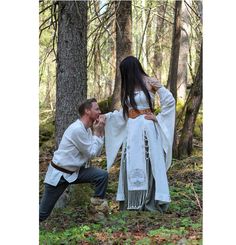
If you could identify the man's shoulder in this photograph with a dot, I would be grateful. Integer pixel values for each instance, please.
(75, 127)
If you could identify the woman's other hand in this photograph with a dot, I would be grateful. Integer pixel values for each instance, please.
(150, 116)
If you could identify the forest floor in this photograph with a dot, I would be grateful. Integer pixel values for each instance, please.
(181, 224)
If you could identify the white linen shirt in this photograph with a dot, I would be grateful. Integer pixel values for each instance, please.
(76, 148)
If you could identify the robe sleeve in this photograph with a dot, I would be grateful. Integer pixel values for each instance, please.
(166, 122)
(115, 131)
(154, 83)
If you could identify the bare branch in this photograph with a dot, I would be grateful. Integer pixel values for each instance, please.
(144, 31)
(192, 9)
(49, 6)
(101, 22)
(46, 27)
(45, 21)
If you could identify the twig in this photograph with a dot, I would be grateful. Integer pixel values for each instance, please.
(192, 9)
(195, 195)
(106, 29)
(144, 31)
(46, 27)
(45, 8)
(95, 17)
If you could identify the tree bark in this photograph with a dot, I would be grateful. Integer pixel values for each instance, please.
(71, 73)
(183, 53)
(123, 44)
(193, 104)
(157, 57)
(112, 42)
(174, 61)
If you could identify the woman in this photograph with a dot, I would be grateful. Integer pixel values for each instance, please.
(147, 140)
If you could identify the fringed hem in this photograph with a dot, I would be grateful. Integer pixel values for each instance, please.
(136, 199)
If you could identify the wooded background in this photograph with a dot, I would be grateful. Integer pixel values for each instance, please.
(82, 43)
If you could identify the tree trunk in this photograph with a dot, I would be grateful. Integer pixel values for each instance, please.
(123, 44)
(157, 57)
(71, 88)
(97, 73)
(174, 61)
(183, 53)
(193, 104)
(112, 56)
(145, 18)
(71, 74)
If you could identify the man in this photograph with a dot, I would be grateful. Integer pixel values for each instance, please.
(69, 163)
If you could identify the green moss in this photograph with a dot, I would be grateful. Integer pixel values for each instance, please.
(105, 105)
(81, 194)
(179, 106)
(198, 126)
(46, 130)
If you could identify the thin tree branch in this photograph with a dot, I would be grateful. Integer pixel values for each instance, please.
(49, 6)
(101, 21)
(192, 9)
(46, 27)
(144, 31)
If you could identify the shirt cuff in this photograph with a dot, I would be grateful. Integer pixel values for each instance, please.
(99, 139)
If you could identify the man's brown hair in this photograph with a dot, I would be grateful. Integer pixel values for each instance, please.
(87, 104)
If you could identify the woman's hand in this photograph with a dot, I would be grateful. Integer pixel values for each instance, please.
(150, 116)
(98, 125)
(102, 117)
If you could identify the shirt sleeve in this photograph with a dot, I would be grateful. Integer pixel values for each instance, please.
(88, 144)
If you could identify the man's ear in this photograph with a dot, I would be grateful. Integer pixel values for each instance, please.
(87, 111)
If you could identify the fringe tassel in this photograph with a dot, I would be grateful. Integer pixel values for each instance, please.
(136, 199)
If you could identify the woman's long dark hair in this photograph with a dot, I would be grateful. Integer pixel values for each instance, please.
(132, 77)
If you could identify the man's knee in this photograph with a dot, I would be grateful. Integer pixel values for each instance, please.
(102, 176)
(105, 175)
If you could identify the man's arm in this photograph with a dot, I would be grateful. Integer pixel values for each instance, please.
(88, 145)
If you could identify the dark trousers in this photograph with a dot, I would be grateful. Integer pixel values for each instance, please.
(96, 176)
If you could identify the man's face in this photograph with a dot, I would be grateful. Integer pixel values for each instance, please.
(94, 112)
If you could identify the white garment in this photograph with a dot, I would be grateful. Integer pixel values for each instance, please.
(132, 131)
(77, 146)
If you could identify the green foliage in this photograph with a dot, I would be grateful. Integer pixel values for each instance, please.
(81, 195)
(198, 126)
(166, 233)
(144, 241)
(46, 130)
(157, 110)
(183, 220)
(69, 236)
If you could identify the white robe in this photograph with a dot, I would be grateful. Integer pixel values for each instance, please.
(160, 140)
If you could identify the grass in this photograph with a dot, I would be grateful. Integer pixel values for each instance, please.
(181, 224)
